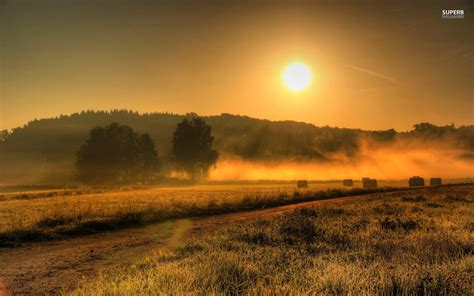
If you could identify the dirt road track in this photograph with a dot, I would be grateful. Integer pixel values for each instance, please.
(51, 267)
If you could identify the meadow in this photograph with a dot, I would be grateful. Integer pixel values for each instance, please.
(50, 214)
(392, 243)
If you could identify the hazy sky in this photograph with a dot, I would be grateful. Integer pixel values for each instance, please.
(375, 66)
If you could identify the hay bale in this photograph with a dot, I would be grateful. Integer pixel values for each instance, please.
(347, 182)
(416, 181)
(302, 184)
(435, 181)
(368, 183)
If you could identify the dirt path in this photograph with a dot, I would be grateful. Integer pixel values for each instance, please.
(52, 267)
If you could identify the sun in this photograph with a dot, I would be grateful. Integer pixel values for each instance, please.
(297, 76)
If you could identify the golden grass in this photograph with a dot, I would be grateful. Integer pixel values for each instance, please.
(21, 210)
(52, 214)
(25, 208)
(399, 243)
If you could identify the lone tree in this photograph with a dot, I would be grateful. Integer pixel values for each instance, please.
(192, 147)
(116, 154)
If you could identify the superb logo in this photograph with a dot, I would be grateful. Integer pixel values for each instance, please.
(452, 13)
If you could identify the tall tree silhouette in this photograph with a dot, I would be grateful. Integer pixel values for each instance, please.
(192, 147)
(116, 154)
(148, 157)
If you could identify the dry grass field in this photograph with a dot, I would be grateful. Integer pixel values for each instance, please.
(42, 215)
(394, 243)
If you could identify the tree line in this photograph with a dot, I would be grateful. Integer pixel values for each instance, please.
(43, 151)
(116, 154)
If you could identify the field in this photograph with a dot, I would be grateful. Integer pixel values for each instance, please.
(397, 243)
(251, 238)
(49, 214)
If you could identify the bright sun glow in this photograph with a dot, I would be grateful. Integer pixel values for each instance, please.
(297, 76)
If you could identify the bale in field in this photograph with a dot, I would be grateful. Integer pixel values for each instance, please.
(347, 182)
(416, 181)
(435, 181)
(302, 184)
(368, 183)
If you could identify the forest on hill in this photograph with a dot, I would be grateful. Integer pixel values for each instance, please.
(43, 151)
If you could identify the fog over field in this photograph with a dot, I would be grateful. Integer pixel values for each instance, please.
(398, 160)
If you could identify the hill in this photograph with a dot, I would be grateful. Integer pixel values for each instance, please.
(43, 151)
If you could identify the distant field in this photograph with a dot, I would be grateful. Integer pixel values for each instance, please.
(45, 214)
(395, 243)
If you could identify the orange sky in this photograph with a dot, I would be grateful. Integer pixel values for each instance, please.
(375, 66)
